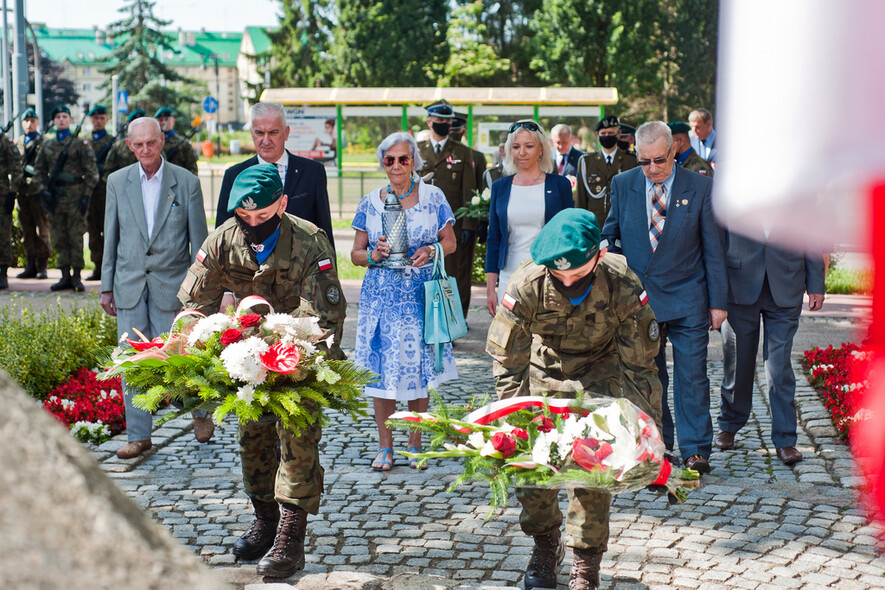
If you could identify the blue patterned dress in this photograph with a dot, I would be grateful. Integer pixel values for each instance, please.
(390, 324)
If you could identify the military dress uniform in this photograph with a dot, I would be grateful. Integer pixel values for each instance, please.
(31, 213)
(179, 151)
(95, 214)
(10, 180)
(593, 191)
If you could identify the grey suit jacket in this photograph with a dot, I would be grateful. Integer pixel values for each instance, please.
(134, 260)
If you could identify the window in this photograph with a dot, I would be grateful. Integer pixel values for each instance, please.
(86, 70)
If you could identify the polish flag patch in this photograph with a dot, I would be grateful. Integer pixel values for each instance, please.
(643, 298)
(325, 264)
(201, 255)
(508, 301)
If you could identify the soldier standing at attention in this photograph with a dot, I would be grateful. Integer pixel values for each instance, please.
(66, 195)
(120, 155)
(262, 250)
(480, 165)
(596, 170)
(101, 141)
(10, 180)
(573, 318)
(685, 154)
(31, 213)
(178, 150)
(449, 165)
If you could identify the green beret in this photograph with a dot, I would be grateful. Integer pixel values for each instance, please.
(678, 127)
(30, 114)
(627, 129)
(441, 108)
(568, 240)
(59, 109)
(98, 110)
(163, 112)
(136, 114)
(256, 187)
(606, 122)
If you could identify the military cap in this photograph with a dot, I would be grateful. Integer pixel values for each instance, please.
(163, 112)
(678, 127)
(59, 109)
(627, 130)
(459, 121)
(136, 114)
(567, 241)
(441, 108)
(606, 122)
(98, 110)
(256, 187)
(30, 114)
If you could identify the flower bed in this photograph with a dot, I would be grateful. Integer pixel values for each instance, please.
(840, 377)
(92, 410)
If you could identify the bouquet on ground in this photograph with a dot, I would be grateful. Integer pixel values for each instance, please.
(250, 364)
(477, 207)
(605, 444)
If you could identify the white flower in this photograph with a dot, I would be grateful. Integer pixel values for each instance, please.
(292, 329)
(246, 393)
(541, 450)
(486, 194)
(475, 201)
(124, 337)
(476, 440)
(209, 325)
(242, 360)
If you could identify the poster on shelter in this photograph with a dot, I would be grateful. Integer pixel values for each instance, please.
(312, 133)
(490, 136)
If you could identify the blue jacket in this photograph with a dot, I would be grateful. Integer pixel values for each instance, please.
(557, 196)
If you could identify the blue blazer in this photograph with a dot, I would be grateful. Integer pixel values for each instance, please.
(685, 275)
(557, 196)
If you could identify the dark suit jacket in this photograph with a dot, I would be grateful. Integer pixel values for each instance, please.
(557, 196)
(686, 272)
(790, 274)
(305, 186)
(571, 162)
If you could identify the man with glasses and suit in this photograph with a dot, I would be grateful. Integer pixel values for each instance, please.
(565, 154)
(661, 220)
(596, 169)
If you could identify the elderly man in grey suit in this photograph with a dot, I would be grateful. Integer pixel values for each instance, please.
(154, 224)
(764, 282)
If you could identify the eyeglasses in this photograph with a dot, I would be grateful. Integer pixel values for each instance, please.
(390, 160)
(527, 125)
(658, 161)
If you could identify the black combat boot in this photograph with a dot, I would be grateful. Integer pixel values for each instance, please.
(544, 564)
(65, 282)
(585, 570)
(76, 282)
(287, 554)
(95, 276)
(30, 271)
(41, 268)
(259, 538)
(4, 280)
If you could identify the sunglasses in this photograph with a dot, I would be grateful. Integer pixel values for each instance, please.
(527, 125)
(390, 160)
(657, 161)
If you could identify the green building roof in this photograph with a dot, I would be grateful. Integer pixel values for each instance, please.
(260, 40)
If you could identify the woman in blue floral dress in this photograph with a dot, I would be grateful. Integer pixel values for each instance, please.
(390, 325)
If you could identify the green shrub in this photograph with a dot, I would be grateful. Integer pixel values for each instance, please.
(40, 348)
(479, 265)
(844, 281)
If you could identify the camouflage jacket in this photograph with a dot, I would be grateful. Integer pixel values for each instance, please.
(119, 157)
(29, 183)
(695, 163)
(182, 153)
(97, 146)
(10, 166)
(79, 173)
(299, 275)
(541, 342)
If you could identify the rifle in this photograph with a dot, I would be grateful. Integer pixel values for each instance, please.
(102, 155)
(31, 151)
(52, 190)
(8, 126)
(187, 138)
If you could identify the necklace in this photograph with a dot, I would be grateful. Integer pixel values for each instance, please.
(411, 188)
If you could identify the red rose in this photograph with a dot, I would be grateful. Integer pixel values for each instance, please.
(250, 320)
(546, 424)
(520, 433)
(281, 358)
(230, 336)
(503, 442)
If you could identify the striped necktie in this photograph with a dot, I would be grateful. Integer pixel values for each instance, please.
(658, 215)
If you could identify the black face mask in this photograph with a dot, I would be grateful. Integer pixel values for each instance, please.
(576, 289)
(608, 141)
(257, 234)
(441, 129)
(624, 145)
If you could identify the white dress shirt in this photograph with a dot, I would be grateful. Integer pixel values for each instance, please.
(282, 165)
(150, 194)
(441, 144)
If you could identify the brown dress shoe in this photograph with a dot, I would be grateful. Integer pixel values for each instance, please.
(203, 429)
(724, 440)
(134, 448)
(789, 455)
(698, 463)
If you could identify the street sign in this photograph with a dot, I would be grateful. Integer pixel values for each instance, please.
(210, 104)
(122, 101)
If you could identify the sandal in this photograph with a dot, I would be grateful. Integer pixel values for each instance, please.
(416, 463)
(383, 460)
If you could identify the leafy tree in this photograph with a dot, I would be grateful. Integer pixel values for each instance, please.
(391, 42)
(472, 62)
(57, 88)
(300, 48)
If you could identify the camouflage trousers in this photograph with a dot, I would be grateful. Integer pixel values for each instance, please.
(7, 256)
(35, 226)
(68, 227)
(297, 478)
(95, 224)
(586, 523)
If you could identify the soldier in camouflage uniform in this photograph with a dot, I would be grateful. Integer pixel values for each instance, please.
(101, 143)
(31, 213)
(449, 165)
(178, 150)
(68, 199)
(574, 319)
(10, 179)
(264, 251)
(685, 154)
(596, 170)
(120, 155)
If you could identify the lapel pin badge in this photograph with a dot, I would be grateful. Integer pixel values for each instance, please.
(170, 197)
(685, 201)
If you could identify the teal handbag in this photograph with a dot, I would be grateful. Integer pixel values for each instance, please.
(443, 317)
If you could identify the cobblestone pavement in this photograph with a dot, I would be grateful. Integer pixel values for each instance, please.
(753, 523)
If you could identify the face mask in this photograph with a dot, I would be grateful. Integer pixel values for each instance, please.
(441, 129)
(576, 289)
(608, 141)
(624, 145)
(257, 234)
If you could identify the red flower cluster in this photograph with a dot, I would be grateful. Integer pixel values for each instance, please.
(840, 377)
(589, 452)
(250, 320)
(230, 336)
(503, 442)
(80, 399)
